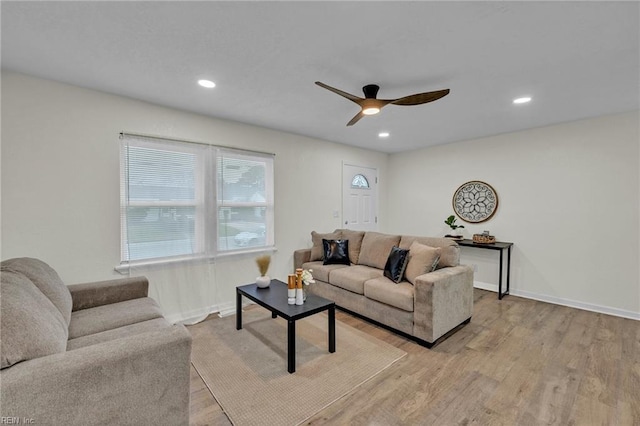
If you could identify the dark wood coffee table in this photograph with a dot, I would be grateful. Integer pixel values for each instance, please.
(274, 298)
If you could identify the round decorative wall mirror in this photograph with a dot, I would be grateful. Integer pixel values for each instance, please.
(475, 201)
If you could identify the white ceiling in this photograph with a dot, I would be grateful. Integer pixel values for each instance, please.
(576, 59)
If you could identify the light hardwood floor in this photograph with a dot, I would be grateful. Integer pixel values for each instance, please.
(519, 362)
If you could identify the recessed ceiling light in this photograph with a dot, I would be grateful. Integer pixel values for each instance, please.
(207, 83)
(522, 100)
(383, 134)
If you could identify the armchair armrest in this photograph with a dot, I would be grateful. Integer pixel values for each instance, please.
(301, 256)
(141, 379)
(90, 295)
(443, 300)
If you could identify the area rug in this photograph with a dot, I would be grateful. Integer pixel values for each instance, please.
(246, 370)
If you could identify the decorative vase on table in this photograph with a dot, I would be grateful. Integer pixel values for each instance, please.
(263, 281)
(307, 278)
(263, 262)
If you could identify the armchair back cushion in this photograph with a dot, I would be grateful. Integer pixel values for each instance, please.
(46, 279)
(31, 325)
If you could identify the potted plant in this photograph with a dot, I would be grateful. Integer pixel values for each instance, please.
(263, 262)
(451, 222)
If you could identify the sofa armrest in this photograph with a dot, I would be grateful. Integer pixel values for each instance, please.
(443, 299)
(301, 256)
(90, 295)
(141, 379)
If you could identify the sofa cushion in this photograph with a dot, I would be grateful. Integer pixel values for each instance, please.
(449, 253)
(355, 242)
(336, 252)
(31, 325)
(422, 259)
(353, 277)
(317, 251)
(46, 279)
(396, 264)
(109, 317)
(386, 291)
(376, 248)
(321, 272)
(117, 333)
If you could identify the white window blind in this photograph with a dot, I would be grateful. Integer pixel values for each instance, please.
(187, 200)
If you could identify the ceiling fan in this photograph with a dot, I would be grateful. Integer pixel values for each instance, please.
(370, 105)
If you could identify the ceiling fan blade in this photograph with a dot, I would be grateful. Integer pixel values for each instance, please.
(349, 96)
(355, 119)
(420, 98)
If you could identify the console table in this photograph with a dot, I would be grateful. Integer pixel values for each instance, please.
(501, 246)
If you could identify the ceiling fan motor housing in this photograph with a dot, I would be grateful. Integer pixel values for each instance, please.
(371, 91)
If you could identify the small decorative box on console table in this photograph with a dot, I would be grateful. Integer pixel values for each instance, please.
(483, 239)
(495, 245)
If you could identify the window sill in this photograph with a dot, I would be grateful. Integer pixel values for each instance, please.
(124, 267)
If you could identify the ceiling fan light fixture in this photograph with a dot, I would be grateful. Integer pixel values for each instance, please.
(370, 106)
(370, 110)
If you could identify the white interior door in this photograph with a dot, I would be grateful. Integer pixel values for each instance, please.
(359, 197)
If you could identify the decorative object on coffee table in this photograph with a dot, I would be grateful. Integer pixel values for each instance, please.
(263, 262)
(307, 278)
(455, 233)
(475, 201)
(299, 292)
(291, 289)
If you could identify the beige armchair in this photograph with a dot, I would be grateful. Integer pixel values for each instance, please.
(88, 354)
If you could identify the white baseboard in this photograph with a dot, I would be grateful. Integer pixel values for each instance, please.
(563, 302)
(486, 286)
(579, 305)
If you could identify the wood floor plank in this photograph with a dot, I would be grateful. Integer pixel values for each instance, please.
(462, 403)
(589, 412)
(519, 362)
(553, 398)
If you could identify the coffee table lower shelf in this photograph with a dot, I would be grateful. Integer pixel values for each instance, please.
(274, 298)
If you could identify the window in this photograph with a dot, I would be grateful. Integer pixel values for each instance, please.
(360, 181)
(187, 200)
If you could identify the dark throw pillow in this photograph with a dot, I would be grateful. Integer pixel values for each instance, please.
(396, 264)
(336, 252)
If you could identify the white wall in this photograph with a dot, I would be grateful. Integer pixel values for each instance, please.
(569, 195)
(60, 183)
(568, 199)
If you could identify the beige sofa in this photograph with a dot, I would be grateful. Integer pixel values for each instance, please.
(88, 354)
(426, 310)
